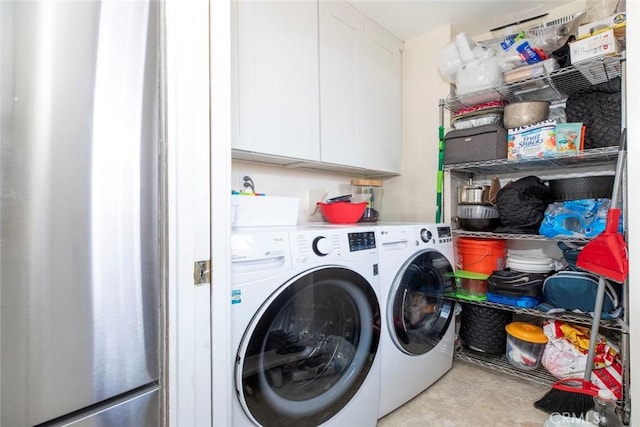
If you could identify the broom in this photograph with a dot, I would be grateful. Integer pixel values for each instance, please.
(574, 395)
(605, 256)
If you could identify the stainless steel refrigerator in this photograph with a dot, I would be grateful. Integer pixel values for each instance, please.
(81, 213)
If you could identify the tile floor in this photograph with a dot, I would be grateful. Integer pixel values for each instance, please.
(471, 396)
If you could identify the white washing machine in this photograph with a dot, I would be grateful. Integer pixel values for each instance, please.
(306, 327)
(416, 269)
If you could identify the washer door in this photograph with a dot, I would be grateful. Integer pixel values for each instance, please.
(417, 315)
(309, 348)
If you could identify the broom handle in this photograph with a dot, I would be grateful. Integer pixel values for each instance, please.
(595, 326)
(613, 216)
(617, 179)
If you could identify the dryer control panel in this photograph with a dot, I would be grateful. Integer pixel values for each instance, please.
(362, 240)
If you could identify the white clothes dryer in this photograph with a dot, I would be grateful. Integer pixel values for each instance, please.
(416, 270)
(305, 327)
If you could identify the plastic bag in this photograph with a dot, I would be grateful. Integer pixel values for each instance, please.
(576, 218)
(478, 75)
(565, 355)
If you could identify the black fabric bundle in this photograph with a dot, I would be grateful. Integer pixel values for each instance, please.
(521, 205)
(599, 109)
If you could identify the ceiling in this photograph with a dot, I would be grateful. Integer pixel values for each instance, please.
(408, 19)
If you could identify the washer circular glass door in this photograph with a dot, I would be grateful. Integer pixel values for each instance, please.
(309, 348)
(417, 315)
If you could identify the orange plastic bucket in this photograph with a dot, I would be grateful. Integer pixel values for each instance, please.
(481, 255)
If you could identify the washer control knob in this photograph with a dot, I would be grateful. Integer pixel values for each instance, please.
(321, 246)
(425, 235)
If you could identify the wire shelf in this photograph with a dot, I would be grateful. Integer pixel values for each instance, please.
(594, 157)
(508, 236)
(554, 86)
(569, 317)
(500, 364)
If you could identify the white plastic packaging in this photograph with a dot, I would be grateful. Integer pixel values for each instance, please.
(449, 61)
(465, 46)
(478, 75)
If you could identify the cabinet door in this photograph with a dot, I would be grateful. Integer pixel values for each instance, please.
(382, 103)
(360, 90)
(342, 31)
(276, 101)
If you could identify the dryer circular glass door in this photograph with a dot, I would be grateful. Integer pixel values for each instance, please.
(417, 315)
(309, 348)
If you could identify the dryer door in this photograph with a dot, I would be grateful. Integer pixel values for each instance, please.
(417, 315)
(308, 349)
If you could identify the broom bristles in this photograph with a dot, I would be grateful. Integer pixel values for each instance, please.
(568, 403)
(569, 396)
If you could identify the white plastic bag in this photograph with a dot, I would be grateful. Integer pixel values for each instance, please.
(478, 75)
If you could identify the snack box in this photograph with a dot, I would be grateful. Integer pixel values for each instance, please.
(533, 141)
(570, 137)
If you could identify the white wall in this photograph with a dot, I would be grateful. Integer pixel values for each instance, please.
(306, 184)
(412, 196)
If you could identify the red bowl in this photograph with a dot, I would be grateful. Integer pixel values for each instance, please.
(342, 212)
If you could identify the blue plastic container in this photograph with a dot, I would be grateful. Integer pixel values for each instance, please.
(522, 302)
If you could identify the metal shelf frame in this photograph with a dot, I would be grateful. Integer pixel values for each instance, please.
(507, 236)
(555, 86)
(591, 157)
(499, 363)
(566, 316)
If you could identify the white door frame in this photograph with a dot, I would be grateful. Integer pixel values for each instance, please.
(198, 380)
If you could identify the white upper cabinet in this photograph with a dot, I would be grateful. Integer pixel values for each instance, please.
(315, 85)
(276, 102)
(360, 90)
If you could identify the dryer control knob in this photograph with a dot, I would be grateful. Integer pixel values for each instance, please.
(321, 246)
(425, 235)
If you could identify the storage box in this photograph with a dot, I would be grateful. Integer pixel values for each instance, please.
(258, 211)
(470, 285)
(542, 68)
(596, 46)
(613, 21)
(522, 302)
(525, 345)
(488, 142)
(535, 141)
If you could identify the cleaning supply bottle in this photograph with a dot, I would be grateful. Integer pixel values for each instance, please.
(604, 411)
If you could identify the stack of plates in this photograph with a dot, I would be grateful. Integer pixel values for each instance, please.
(531, 263)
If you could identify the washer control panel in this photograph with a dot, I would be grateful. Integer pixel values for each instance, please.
(325, 245)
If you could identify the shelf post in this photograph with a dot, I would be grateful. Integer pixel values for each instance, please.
(440, 177)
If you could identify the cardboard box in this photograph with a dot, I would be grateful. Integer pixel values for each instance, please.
(533, 141)
(569, 138)
(615, 20)
(259, 211)
(596, 46)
